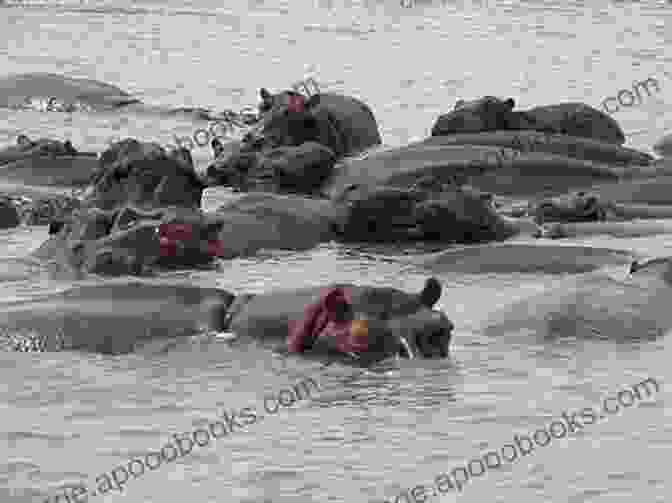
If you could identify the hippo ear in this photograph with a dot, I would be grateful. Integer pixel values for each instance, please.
(458, 104)
(264, 94)
(430, 293)
(510, 103)
(23, 141)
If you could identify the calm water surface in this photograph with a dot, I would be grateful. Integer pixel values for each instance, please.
(67, 417)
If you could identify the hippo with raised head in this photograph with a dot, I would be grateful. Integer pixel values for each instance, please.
(54, 92)
(301, 135)
(355, 323)
(597, 305)
(490, 113)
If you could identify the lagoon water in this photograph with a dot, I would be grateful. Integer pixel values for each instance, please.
(68, 417)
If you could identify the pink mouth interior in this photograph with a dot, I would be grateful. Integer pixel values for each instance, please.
(320, 321)
(171, 236)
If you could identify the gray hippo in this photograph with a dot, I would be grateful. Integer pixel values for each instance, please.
(632, 208)
(490, 113)
(344, 124)
(54, 92)
(597, 305)
(295, 136)
(46, 162)
(360, 324)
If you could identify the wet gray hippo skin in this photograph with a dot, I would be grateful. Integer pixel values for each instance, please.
(45, 162)
(635, 307)
(490, 113)
(391, 314)
(16, 91)
(111, 318)
(297, 138)
(344, 124)
(142, 213)
(121, 318)
(542, 257)
(388, 214)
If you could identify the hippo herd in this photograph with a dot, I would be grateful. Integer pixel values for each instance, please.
(313, 169)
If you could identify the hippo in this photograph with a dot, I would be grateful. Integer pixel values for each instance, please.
(632, 208)
(54, 92)
(355, 323)
(490, 113)
(297, 135)
(622, 308)
(45, 162)
(344, 124)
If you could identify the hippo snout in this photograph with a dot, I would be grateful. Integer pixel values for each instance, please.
(424, 335)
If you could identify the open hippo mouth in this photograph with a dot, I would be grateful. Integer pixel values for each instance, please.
(373, 324)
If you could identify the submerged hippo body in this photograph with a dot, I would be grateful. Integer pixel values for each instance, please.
(596, 306)
(122, 317)
(390, 314)
(54, 92)
(111, 318)
(632, 208)
(491, 114)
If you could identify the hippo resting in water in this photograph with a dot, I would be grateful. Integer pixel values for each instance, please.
(352, 322)
(597, 305)
(49, 91)
(492, 114)
(298, 137)
(143, 212)
(46, 162)
(629, 208)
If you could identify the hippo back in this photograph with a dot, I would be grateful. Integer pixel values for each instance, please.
(484, 114)
(573, 119)
(16, 89)
(595, 306)
(353, 120)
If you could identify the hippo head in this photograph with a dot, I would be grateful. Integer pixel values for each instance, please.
(575, 207)
(286, 120)
(456, 214)
(484, 114)
(395, 323)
